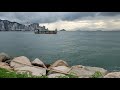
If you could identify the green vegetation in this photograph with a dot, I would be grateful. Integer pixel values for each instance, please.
(97, 74)
(11, 74)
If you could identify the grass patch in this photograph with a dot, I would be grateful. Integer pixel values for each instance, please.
(11, 74)
(97, 74)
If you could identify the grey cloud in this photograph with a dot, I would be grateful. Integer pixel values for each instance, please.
(43, 17)
(47, 17)
(109, 13)
(78, 15)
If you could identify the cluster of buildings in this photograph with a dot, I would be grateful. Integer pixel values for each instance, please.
(42, 30)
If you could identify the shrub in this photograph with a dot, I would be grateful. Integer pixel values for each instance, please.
(97, 74)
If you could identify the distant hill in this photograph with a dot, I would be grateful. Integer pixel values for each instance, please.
(6, 25)
(63, 30)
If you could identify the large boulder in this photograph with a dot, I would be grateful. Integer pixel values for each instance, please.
(86, 71)
(56, 75)
(59, 63)
(95, 69)
(38, 62)
(4, 57)
(113, 75)
(20, 61)
(59, 69)
(36, 71)
(5, 66)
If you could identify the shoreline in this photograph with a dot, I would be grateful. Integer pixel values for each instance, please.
(58, 69)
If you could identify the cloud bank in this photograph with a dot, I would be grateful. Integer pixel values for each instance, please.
(67, 20)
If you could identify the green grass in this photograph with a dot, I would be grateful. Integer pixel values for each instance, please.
(11, 74)
(97, 74)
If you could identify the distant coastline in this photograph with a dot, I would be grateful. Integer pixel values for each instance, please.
(63, 30)
(6, 25)
(99, 31)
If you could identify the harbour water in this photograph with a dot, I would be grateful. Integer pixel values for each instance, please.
(100, 49)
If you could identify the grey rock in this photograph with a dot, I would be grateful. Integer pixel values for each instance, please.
(38, 62)
(5, 66)
(36, 71)
(59, 69)
(86, 71)
(56, 75)
(113, 75)
(94, 69)
(20, 61)
(4, 57)
(59, 63)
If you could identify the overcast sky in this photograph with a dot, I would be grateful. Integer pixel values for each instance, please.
(67, 20)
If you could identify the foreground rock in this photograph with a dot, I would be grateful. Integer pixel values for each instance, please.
(86, 71)
(20, 61)
(56, 75)
(4, 57)
(94, 69)
(113, 75)
(36, 71)
(38, 62)
(5, 66)
(59, 63)
(59, 69)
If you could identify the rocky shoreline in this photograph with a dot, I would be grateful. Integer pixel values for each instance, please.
(60, 68)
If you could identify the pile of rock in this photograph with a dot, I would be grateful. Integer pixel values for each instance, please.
(59, 68)
(22, 64)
